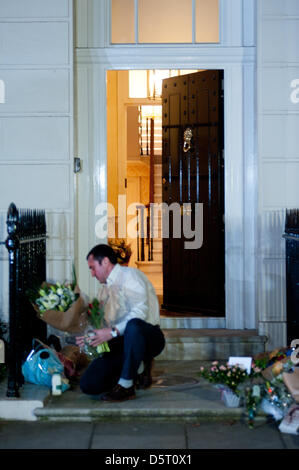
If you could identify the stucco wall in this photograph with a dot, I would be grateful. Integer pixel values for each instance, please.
(278, 151)
(36, 125)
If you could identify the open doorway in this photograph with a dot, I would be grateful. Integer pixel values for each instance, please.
(188, 282)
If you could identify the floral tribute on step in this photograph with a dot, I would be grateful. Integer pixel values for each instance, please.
(266, 388)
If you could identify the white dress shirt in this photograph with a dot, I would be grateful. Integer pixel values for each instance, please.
(128, 294)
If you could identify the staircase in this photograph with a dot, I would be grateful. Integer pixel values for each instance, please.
(154, 269)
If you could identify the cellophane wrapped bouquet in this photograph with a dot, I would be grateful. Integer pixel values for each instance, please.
(60, 305)
(95, 316)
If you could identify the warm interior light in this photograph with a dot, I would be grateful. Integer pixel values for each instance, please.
(148, 83)
(151, 111)
(138, 84)
(155, 81)
(146, 114)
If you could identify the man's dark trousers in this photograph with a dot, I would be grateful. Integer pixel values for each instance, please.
(141, 342)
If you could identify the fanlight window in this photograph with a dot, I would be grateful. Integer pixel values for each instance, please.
(164, 21)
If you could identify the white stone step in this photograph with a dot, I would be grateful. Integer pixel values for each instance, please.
(158, 243)
(157, 188)
(209, 344)
(158, 197)
(22, 408)
(158, 168)
(158, 255)
(149, 266)
(153, 270)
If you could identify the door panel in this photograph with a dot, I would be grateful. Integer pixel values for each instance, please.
(194, 278)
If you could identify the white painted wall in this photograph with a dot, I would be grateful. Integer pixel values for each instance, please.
(278, 124)
(36, 125)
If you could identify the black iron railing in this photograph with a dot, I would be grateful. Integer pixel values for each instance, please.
(26, 245)
(144, 214)
(145, 230)
(291, 236)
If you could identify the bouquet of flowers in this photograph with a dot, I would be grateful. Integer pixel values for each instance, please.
(269, 395)
(55, 297)
(273, 362)
(95, 315)
(60, 305)
(277, 395)
(230, 376)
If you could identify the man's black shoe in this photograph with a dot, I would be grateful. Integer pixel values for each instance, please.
(119, 393)
(144, 380)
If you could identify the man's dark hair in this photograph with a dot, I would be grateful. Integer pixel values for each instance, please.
(99, 252)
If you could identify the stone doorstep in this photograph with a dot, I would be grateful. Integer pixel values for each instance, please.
(181, 344)
(209, 345)
(37, 403)
(190, 414)
(23, 408)
(207, 334)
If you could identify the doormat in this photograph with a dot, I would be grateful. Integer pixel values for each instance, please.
(173, 380)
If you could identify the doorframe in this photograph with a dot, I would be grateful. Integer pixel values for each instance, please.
(241, 178)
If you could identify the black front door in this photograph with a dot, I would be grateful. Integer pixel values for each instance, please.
(192, 172)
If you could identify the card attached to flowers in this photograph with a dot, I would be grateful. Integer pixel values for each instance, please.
(241, 361)
(61, 305)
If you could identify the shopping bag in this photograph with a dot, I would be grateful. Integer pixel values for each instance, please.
(41, 363)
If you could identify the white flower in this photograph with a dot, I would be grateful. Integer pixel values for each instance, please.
(55, 297)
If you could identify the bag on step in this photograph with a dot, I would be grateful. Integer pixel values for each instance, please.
(41, 363)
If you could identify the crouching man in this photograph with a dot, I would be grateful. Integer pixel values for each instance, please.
(131, 327)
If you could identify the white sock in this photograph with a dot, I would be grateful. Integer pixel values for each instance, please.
(126, 383)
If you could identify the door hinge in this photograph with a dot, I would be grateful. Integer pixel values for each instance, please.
(77, 165)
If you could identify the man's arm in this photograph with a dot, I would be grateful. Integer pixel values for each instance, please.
(136, 298)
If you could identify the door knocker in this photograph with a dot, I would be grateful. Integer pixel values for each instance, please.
(187, 139)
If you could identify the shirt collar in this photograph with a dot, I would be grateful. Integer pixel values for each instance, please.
(113, 275)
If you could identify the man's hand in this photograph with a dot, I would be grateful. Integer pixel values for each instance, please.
(102, 335)
(80, 341)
